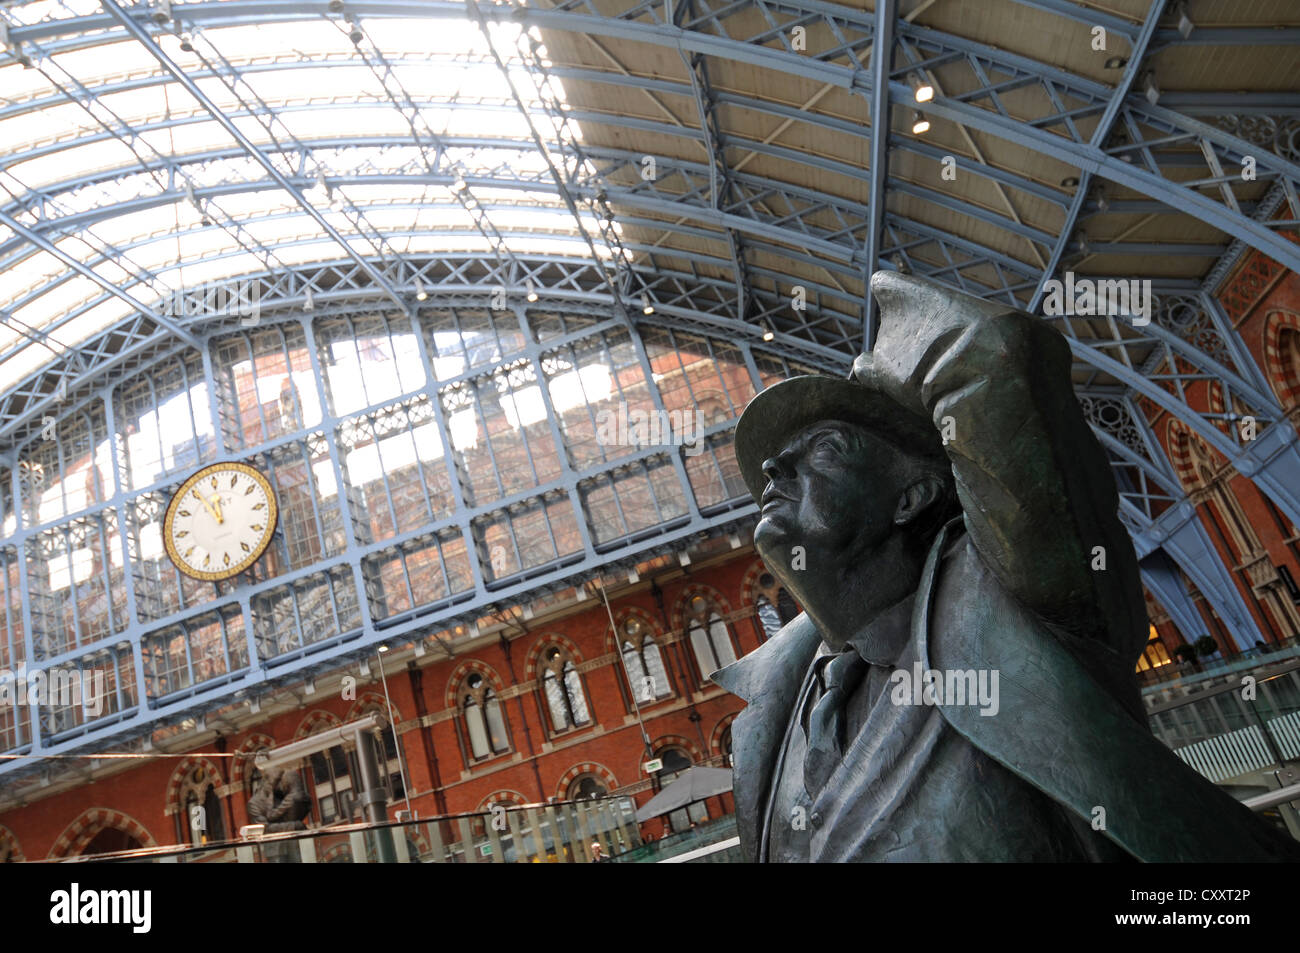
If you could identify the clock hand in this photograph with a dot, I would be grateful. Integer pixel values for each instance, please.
(208, 506)
(216, 500)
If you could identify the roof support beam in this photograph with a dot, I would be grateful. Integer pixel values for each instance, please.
(721, 186)
(882, 56)
(1098, 141)
(141, 36)
(41, 242)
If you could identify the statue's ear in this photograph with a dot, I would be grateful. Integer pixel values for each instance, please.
(919, 496)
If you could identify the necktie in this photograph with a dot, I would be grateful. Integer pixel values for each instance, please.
(840, 676)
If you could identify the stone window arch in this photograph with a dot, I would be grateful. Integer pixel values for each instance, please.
(482, 718)
(566, 702)
(709, 635)
(643, 662)
(199, 812)
(1282, 356)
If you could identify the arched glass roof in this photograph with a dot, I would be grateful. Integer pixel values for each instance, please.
(378, 137)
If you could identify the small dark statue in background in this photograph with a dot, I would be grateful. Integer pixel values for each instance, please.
(960, 686)
(281, 801)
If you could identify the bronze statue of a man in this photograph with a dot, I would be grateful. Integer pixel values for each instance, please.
(961, 683)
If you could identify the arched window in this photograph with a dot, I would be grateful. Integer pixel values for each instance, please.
(726, 747)
(710, 637)
(563, 688)
(200, 817)
(485, 725)
(586, 786)
(643, 663)
(768, 617)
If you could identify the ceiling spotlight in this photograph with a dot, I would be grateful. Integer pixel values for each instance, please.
(532, 292)
(767, 331)
(1185, 24)
(923, 91)
(1116, 62)
(459, 185)
(187, 43)
(901, 265)
(420, 293)
(1070, 181)
(646, 306)
(162, 11)
(1103, 203)
(383, 648)
(336, 6)
(308, 301)
(920, 124)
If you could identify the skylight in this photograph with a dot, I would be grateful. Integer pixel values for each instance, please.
(164, 198)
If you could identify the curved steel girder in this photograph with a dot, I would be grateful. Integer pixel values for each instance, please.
(1153, 332)
(134, 338)
(819, 290)
(1158, 395)
(811, 66)
(918, 147)
(844, 209)
(848, 264)
(831, 250)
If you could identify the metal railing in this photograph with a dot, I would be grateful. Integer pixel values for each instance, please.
(556, 832)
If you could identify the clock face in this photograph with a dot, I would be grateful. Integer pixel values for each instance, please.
(220, 521)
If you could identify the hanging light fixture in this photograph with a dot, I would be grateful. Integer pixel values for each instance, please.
(768, 334)
(532, 291)
(420, 293)
(646, 306)
(920, 125)
(308, 301)
(922, 90)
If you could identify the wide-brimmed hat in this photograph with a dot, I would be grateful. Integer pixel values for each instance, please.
(786, 408)
(781, 411)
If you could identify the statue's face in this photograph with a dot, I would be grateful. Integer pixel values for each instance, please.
(831, 490)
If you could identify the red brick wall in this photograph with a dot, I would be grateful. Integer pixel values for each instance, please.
(539, 765)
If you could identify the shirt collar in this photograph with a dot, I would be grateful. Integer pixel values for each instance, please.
(882, 640)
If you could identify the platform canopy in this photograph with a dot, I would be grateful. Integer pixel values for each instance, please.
(694, 784)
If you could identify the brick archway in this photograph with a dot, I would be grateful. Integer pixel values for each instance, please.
(244, 757)
(720, 604)
(551, 638)
(314, 722)
(369, 701)
(463, 671)
(1281, 336)
(503, 796)
(715, 738)
(90, 823)
(678, 741)
(177, 781)
(648, 622)
(578, 770)
(9, 846)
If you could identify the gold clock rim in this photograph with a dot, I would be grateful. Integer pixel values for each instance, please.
(258, 551)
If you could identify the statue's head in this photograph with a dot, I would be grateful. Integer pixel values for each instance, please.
(841, 473)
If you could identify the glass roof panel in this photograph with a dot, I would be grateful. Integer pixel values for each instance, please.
(304, 94)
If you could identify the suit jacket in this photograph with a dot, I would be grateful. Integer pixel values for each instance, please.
(1038, 580)
(1057, 728)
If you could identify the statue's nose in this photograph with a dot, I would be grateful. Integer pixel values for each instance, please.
(774, 468)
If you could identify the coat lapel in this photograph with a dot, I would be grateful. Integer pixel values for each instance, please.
(768, 679)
